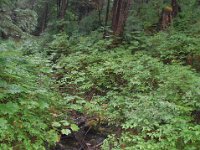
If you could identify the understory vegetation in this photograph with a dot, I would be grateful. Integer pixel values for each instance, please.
(151, 102)
(27, 102)
(72, 76)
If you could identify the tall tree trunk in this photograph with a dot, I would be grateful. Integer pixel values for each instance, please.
(61, 8)
(166, 18)
(175, 8)
(168, 14)
(120, 14)
(99, 16)
(106, 19)
(98, 5)
(43, 19)
(198, 2)
(107, 13)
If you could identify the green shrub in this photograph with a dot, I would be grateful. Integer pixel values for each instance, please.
(26, 20)
(151, 102)
(27, 103)
(173, 46)
(89, 23)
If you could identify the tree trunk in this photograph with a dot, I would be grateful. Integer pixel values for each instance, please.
(61, 8)
(107, 12)
(43, 19)
(175, 8)
(120, 14)
(168, 14)
(198, 2)
(106, 19)
(166, 18)
(99, 16)
(98, 4)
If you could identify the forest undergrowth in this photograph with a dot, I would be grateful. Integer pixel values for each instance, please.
(99, 75)
(138, 96)
(148, 94)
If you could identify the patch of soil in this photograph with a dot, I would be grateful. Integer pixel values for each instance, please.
(87, 138)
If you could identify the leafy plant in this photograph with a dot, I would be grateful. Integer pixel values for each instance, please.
(27, 104)
(173, 46)
(146, 99)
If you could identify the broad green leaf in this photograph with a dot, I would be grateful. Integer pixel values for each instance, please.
(65, 131)
(56, 124)
(65, 123)
(74, 127)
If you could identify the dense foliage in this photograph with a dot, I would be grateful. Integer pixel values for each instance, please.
(148, 100)
(26, 101)
(72, 69)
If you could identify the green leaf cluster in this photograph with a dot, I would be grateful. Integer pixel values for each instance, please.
(150, 101)
(27, 102)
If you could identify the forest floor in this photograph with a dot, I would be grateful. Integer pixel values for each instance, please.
(115, 96)
(87, 138)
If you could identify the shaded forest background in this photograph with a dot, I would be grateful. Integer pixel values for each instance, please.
(100, 74)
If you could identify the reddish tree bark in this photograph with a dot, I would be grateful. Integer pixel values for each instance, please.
(166, 18)
(168, 14)
(120, 14)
